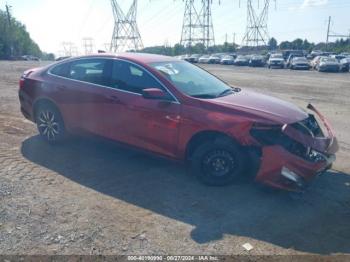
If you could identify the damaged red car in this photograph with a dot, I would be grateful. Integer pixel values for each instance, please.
(178, 110)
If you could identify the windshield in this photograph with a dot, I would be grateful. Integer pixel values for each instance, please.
(300, 59)
(276, 56)
(192, 80)
(328, 59)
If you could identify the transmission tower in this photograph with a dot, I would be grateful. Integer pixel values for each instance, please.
(197, 24)
(69, 49)
(88, 45)
(126, 35)
(257, 31)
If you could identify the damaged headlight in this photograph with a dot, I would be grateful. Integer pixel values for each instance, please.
(273, 135)
(317, 157)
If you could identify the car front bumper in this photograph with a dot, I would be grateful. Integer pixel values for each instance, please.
(329, 68)
(283, 169)
(301, 66)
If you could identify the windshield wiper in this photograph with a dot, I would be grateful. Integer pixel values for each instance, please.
(226, 92)
(204, 96)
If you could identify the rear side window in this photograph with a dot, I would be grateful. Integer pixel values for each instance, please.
(61, 70)
(132, 78)
(90, 70)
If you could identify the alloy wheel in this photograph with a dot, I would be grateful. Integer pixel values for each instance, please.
(48, 125)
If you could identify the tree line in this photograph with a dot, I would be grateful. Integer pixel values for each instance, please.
(15, 41)
(339, 46)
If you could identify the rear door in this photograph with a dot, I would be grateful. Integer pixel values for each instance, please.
(80, 91)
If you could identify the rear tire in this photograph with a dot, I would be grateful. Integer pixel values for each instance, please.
(50, 123)
(218, 163)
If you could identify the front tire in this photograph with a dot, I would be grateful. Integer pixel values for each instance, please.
(50, 123)
(218, 163)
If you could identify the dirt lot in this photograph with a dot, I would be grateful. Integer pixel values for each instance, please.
(93, 197)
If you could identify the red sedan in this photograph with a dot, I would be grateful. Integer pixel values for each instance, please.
(175, 109)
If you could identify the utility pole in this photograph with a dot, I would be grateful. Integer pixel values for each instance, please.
(126, 35)
(328, 29)
(332, 34)
(197, 24)
(8, 12)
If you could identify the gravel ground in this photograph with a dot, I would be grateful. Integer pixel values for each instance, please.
(90, 196)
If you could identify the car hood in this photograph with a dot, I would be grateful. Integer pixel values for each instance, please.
(262, 107)
(328, 63)
(276, 60)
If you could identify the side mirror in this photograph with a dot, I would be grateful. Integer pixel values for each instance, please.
(153, 93)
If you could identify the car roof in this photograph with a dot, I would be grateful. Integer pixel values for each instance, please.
(138, 57)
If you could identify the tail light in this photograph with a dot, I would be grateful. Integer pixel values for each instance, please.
(23, 78)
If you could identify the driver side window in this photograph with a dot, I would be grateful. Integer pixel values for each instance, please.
(129, 77)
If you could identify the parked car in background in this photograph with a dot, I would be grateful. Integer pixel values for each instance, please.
(222, 132)
(314, 63)
(62, 58)
(204, 59)
(299, 63)
(185, 57)
(194, 58)
(275, 61)
(30, 58)
(290, 58)
(257, 61)
(338, 57)
(328, 64)
(227, 60)
(316, 53)
(214, 59)
(287, 53)
(241, 60)
(345, 64)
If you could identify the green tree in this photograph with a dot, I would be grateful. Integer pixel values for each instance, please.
(14, 39)
(272, 44)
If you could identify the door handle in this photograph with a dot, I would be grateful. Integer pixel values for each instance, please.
(61, 88)
(114, 99)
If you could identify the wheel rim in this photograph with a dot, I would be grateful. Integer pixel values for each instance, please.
(48, 125)
(218, 163)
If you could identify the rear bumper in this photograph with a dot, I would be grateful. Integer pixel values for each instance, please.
(26, 105)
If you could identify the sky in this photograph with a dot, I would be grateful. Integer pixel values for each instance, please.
(51, 22)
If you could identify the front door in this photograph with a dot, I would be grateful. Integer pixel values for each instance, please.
(146, 123)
